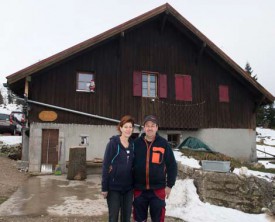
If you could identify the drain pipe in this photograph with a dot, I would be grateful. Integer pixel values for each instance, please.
(72, 111)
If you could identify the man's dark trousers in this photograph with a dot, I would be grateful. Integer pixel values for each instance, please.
(155, 199)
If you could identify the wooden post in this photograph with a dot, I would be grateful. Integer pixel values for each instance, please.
(77, 164)
(26, 90)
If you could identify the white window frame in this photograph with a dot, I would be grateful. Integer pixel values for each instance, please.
(87, 82)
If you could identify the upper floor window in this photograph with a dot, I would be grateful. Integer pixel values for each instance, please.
(149, 85)
(85, 82)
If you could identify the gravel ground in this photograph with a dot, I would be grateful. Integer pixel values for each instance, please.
(10, 178)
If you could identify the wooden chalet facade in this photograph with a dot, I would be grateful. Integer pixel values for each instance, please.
(157, 63)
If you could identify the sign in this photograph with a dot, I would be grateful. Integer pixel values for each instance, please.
(48, 116)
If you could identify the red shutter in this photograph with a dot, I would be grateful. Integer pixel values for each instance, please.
(183, 87)
(162, 86)
(178, 87)
(223, 93)
(187, 88)
(137, 83)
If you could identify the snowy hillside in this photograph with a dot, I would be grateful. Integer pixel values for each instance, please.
(5, 107)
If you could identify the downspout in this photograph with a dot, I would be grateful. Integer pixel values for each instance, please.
(72, 111)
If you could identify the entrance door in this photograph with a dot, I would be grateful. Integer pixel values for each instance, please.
(50, 146)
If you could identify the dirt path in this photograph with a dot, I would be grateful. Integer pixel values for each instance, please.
(10, 178)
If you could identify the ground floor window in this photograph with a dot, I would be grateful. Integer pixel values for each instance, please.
(173, 140)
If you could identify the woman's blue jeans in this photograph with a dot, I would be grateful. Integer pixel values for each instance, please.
(120, 202)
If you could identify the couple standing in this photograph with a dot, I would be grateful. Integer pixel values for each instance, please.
(144, 169)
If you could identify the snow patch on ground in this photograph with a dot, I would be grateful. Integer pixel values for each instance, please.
(11, 140)
(184, 160)
(73, 206)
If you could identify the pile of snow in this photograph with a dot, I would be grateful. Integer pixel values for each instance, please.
(184, 203)
(184, 160)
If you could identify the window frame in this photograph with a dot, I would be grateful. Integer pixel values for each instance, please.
(148, 73)
(77, 80)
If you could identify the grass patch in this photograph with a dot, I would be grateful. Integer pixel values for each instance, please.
(235, 163)
(3, 199)
(3, 154)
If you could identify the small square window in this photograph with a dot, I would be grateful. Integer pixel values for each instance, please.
(85, 82)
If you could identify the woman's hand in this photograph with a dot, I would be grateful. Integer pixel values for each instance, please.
(104, 194)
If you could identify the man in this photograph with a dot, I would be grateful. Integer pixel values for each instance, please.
(155, 171)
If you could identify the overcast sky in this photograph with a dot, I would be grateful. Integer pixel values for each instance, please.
(32, 30)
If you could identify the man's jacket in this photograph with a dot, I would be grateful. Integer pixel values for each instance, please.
(154, 164)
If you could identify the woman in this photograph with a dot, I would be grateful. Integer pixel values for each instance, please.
(117, 181)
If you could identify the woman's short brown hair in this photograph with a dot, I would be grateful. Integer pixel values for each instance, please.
(125, 119)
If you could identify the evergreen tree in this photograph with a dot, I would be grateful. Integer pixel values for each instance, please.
(10, 100)
(261, 116)
(249, 70)
(266, 116)
(271, 116)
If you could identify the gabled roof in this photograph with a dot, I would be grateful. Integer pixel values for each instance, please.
(129, 24)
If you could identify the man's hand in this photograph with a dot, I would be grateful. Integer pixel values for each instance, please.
(104, 194)
(167, 192)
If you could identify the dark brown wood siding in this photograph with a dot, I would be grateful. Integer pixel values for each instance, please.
(145, 48)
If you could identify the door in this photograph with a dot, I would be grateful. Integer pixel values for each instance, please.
(50, 146)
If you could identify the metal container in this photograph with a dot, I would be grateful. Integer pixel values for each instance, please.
(216, 166)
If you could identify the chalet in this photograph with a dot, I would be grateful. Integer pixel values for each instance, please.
(157, 63)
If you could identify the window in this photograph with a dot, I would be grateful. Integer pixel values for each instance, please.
(183, 87)
(85, 82)
(149, 85)
(223, 93)
(173, 140)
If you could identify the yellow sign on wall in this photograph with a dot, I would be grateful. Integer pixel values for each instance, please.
(48, 116)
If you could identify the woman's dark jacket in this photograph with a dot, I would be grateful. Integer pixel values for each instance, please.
(117, 166)
(155, 166)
